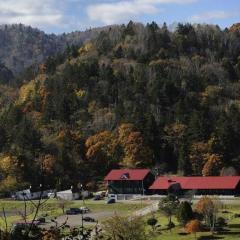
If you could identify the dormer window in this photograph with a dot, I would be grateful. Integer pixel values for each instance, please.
(125, 176)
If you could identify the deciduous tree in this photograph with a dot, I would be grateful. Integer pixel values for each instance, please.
(193, 226)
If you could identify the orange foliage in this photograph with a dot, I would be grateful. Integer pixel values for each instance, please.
(103, 141)
(235, 27)
(124, 130)
(176, 130)
(136, 153)
(28, 107)
(205, 206)
(197, 159)
(49, 163)
(213, 165)
(193, 226)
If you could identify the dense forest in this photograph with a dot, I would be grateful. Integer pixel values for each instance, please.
(134, 96)
(23, 47)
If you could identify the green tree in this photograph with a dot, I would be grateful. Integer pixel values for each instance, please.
(184, 213)
(124, 228)
(168, 206)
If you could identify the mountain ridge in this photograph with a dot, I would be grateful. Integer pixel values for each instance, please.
(23, 46)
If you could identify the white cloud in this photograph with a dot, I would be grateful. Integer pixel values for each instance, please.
(37, 13)
(110, 13)
(210, 15)
(115, 12)
(168, 1)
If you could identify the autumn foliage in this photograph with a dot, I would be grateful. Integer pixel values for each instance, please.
(197, 156)
(213, 165)
(193, 227)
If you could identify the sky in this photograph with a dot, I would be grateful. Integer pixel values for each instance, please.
(58, 16)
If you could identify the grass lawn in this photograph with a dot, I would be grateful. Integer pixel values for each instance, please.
(52, 209)
(231, 232)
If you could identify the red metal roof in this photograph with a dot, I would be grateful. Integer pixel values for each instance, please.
(127, 174)
(188, 183)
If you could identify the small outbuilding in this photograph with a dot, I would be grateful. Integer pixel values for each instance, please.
(68, 195)
(213, 185)
(129, 181)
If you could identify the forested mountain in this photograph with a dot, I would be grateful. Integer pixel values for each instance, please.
(134, 96)
(24, 46)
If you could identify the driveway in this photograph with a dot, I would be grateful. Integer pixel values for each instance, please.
(76, 220)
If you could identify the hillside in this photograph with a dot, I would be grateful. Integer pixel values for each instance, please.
(134, 96)
(24, 46)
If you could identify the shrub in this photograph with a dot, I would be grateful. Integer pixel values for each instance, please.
(221, 222)
(152, 222)
(184, 213)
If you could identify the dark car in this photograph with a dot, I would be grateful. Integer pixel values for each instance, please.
(88, 219)
(41, 219)
(111, 200)
(73, 211)
(97, 197)
(84, 209)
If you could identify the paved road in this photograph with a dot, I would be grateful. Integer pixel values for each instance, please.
(76, 220)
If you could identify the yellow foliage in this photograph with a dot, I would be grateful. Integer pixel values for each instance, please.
(88, 47)
(176, 130)
(103, 141)
(136, 153)
(26, 91)
(92, 107)
(124, 130)
(213, 165)
(8, 164)
(80, 93)
(9, 183)
(197, 156)
(211, 93)
(11, 171)
(66, 133)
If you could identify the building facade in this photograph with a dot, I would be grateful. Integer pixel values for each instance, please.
(129, 181)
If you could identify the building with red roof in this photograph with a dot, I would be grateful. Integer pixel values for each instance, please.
(226, 185)
(129, 181)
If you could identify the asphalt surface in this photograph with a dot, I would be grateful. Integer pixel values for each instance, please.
(76, 220)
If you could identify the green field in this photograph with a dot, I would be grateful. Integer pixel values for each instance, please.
(230, 232)
(51, 208)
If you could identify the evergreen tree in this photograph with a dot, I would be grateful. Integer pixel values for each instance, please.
(184, 213)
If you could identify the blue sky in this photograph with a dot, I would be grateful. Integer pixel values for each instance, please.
(57, 16)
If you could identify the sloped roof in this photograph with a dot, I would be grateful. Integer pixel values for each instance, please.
(127, 174)
(187, 183)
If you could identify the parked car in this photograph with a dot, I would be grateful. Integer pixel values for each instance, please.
(41, 219)
(84, 209)
(111, 200)
(51, 195)
(97, 197)
(73, 211)
(89, 219)
(101, 193)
